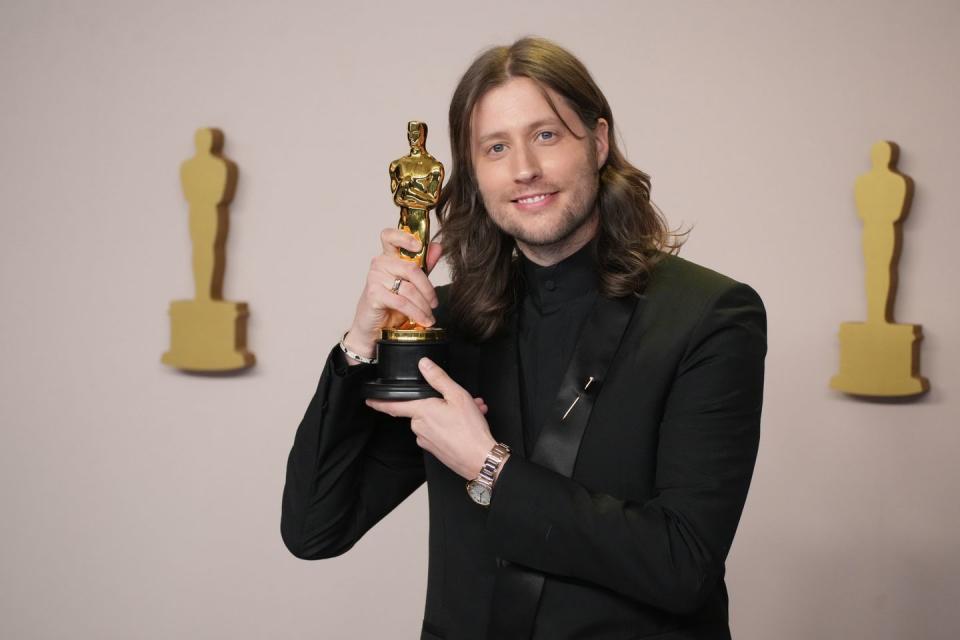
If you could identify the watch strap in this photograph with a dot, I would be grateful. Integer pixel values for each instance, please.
(488, 475)
(494, 459)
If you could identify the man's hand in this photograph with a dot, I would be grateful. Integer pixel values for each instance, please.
(379, 306)
(451, 428)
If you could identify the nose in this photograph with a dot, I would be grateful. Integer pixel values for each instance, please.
(527, 165)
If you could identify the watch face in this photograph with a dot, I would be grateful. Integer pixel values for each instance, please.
(479, 493)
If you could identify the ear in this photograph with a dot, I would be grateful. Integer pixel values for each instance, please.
(601, 139)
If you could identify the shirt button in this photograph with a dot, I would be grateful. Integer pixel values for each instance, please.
(550, 285)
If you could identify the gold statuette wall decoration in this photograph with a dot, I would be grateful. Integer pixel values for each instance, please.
(879, 357)
(208, 334)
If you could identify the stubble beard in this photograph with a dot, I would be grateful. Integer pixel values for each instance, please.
(579, 212)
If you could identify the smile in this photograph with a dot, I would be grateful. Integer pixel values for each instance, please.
(533, 199)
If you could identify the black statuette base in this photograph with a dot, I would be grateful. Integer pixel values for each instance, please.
(398, 374)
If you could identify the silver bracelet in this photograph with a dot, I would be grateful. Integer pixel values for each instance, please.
(354, 355)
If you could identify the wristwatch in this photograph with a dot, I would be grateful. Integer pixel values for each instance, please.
(481, 488)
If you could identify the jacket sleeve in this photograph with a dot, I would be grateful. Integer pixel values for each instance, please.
(348, 468)
(668, 552)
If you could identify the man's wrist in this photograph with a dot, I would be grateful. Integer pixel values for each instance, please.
(481, 488)
(356, 351)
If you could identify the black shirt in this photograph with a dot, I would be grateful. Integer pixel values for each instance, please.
(553, 309)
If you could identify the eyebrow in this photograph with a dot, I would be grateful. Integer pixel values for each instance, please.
(533, 125)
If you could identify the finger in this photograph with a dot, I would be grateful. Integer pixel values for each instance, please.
(397, 409)
(481, 405)
(386, 299)
(393, 239)
(425, 444)
(434, 253)
(409, 271)
(423, 440)
(411, 293)
(407, 300)
(439, 380)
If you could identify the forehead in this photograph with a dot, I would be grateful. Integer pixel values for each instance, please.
(515, 105)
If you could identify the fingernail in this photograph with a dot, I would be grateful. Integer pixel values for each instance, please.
(426, 363)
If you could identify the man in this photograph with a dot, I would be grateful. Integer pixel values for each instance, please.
(608, 391)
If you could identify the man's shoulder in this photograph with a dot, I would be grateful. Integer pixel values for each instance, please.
(682, 283)
(671, 271)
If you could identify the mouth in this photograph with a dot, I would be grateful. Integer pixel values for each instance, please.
(534, 199)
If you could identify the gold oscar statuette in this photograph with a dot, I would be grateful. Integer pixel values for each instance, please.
(880, 358)
(208, 333)
(415, 181)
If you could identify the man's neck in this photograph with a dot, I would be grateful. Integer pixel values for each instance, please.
(549, 255)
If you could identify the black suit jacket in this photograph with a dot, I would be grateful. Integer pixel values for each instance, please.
(617, 524)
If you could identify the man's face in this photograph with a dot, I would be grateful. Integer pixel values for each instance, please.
(538, 180)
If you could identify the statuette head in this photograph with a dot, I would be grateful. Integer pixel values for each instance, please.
(416, 134)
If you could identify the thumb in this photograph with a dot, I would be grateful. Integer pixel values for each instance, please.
(438, 378)
(434, 253)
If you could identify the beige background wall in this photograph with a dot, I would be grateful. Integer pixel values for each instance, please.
(141, 503)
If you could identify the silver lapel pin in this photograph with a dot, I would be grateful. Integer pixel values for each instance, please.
(577, 399)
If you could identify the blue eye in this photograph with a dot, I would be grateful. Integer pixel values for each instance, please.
(497, 148)
(546, 135)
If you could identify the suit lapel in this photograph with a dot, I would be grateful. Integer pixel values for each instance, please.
(517, 590)
(559, 441)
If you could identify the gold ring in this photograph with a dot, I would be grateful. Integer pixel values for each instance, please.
(396, 285)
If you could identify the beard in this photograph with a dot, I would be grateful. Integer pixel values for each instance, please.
(549, 228)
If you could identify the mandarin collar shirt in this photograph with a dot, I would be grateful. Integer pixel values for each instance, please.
(553, 310)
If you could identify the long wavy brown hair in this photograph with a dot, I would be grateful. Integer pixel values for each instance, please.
(632, 233)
